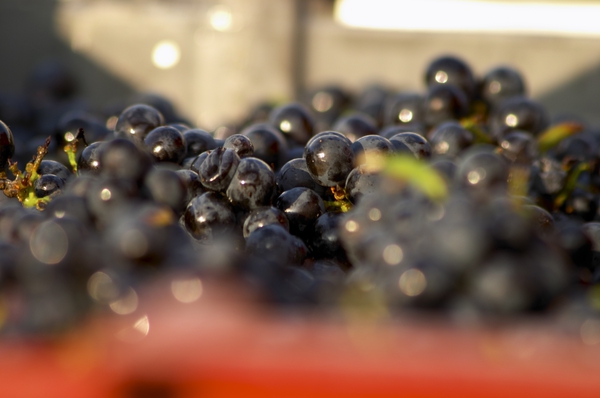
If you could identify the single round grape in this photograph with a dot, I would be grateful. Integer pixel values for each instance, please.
(48, 184)
(253, 184)
(137, 121)
(272, 243)
(89, 160)
(294, 121)
(209, 216)
(269, 144)
(198, 141)
(325, 242)
(263, 216)
(240, 144)
(518, 113)
(451, 70)
(302, 207)
(355, 126)
(390, 131)
(166, 144)
(295, 174)
(411, 143)
(404, 108)
(450, 138)
(361, 182)
(369, 148)
(7, 146)
(501, 84)
(371, 102)
(329, 159)
(166, 187)
(445, 103)
(121, 158)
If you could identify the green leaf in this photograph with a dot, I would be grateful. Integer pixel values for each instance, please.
(417, 173)
(570, 184)
(556, 133)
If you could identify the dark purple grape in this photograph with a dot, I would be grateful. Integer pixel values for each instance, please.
(273, 244)
(240, 144)
(518, 113)
(371, 147)
(209, 216)
(89, 160)
(182, 127)
(449, 139)
(217, 170)
(404, 108)
(355, 126)
(160, 103)
(69, 205)
(107, 197)
(501, 84)
(166, 187)
(137, 121)
(253, 184)
(445, 103)
(371, 101)
(519, 147)
(72, 121)
(269, 144)
(361, 182)
(7, 146)
(263, 216)
(302, 207)
(53, 167)
(325, 242)
(294, 121)
(48, 184)
(448, 70)
(198, 141)
(327, 104)
(329, 159)
(484, 173)
(295, 174)
(192, 184)
(390, 131)
(411, 143)
(121, 158)
(166, 144)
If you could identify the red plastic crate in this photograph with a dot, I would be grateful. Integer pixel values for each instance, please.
(225, 345)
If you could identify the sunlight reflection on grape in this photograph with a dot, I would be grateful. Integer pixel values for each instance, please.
(412, 282)
(126, 304)
(187, 290)
(49, 243)
(135, 332)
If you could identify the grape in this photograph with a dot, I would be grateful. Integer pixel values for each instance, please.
(209, 216)
(302, 207)
(166, 144)
(137, 121)
(7, 146)
(218, 169)
(329, 159)
(294, 121)
(253, 184)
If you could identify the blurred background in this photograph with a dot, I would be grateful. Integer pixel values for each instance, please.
(215, 59)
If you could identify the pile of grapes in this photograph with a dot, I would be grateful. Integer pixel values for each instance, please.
(465, 199)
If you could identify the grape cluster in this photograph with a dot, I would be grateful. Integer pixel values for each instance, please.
(466, 198)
